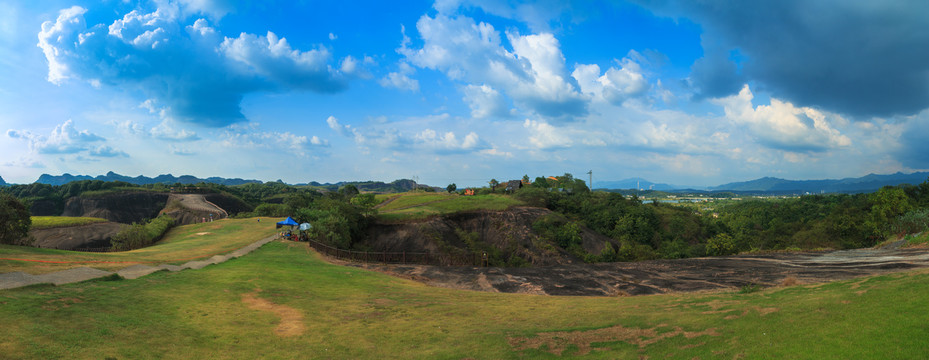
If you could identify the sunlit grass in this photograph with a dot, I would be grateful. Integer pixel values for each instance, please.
(347, 312)
(412, 206)
(406, 200)
(48, 222)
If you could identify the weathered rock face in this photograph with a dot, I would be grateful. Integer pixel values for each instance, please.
(232, 205)
(68, 238)
(124, 208)
(510, 231)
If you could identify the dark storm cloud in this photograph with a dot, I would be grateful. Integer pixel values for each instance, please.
(860, 57)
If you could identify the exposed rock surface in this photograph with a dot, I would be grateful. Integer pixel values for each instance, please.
(664, 276)
(123, 208)
(192, 208)
(71, 237)
(509, 231)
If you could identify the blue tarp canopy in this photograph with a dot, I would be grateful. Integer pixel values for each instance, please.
(289, 221)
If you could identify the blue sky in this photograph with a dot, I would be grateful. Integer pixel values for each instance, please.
(681, 92)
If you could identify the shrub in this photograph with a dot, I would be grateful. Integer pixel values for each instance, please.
(137, 236)
(749, 288)
(912, 222)
(14, 219)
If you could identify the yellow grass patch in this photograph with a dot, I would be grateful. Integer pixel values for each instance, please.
(291, 319)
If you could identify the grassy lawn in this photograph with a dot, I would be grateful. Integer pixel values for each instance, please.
(283, 301)
(409, 199)
(414, 206)
(48, 222)
(180, 244)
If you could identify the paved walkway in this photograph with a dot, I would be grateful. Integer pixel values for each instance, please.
(19, 278)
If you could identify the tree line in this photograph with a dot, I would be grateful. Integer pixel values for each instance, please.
(639, 230)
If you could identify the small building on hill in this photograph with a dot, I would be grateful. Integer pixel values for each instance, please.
(513, 185)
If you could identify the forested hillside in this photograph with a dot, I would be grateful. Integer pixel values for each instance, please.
(637, 230)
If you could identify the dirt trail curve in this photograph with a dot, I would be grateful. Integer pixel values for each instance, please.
(197, 202)
(664, 276)
(388, 201)
(20, 279)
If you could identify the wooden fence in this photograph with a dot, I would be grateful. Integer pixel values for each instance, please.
(386, 257)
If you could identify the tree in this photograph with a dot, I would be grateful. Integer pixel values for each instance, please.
(541, 182)
(366, 202)
(526, 179)
(14, 219)
(493, 184)
(349, 191)
(451, 188)
(721, 244)
(888, 204)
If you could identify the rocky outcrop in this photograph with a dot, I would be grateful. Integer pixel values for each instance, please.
(71, 237)
(123, 208)
(509, 231)
(232, 205)
(192, 208)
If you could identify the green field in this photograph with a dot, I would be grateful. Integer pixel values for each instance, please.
(283, 301)
(415, 206)
(180, 244)
(48, 222)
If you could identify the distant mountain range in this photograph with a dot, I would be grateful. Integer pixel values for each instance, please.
(868, 183)
(376, 186)
(140, 180)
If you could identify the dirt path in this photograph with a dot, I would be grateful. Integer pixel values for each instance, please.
(19, 279)
(388, 201)
(663, 276)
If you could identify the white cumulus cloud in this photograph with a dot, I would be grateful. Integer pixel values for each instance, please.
(781, 125)
(533, 74)
(485, 102)
(185, 64)
(401, 79)
(65, 139)
(616, 84)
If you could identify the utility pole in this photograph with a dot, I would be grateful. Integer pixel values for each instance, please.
(591, 183)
